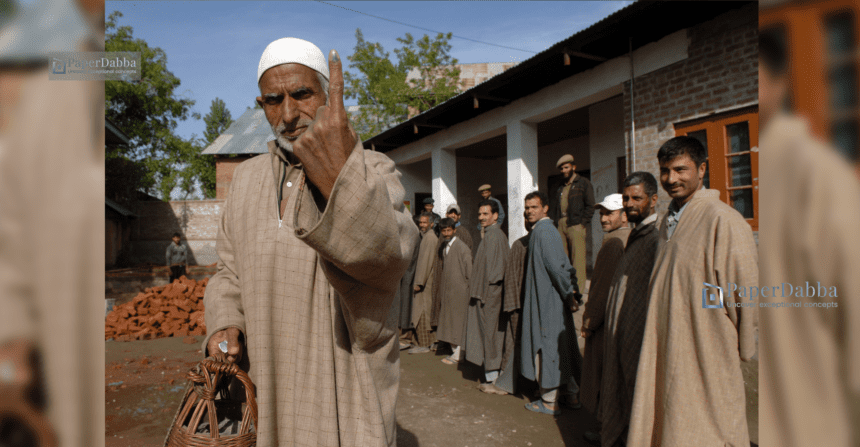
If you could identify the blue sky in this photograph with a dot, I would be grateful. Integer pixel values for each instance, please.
(214, 47)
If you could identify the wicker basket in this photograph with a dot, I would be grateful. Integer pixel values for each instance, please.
(200, 410)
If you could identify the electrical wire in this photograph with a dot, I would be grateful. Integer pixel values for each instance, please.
(425, 29)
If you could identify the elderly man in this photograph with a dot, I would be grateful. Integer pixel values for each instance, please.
(550, 354)
(424, 285)
(312, 242)
(689, 387)
(486, 191)
(454, 214)
(613, 219)
(485, 337)
(573, 211)
(626, 307)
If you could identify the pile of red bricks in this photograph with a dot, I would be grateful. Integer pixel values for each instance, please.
(174, 310)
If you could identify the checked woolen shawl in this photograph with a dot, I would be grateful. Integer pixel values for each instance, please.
(313, 298)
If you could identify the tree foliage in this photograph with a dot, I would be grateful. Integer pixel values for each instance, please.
(148, 111)
(217, 121)
(424, 76)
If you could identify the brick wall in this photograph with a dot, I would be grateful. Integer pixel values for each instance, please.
(720, 73)
(224, 168)
(195, 220)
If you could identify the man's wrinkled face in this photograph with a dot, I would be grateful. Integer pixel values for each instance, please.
(681, 178)
(567, 169)
(424, 223)
(290, 95)
(612, 220)
(454, 216)
(486, 216)
(637, 204)
(485, 194)
(535, 211)
(428, 207)
(447, 233)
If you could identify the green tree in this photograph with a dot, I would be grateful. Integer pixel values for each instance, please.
(217, 121)
(384, 94)
(148, 112)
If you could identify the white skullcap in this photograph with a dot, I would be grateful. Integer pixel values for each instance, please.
(290, 50)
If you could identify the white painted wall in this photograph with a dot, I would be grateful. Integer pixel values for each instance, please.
(606, 143)
(416, 177)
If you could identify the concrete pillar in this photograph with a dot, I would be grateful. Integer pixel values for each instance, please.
(444, 167)
(522, 173)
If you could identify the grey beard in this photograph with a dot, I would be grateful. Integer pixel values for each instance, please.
(283, 142)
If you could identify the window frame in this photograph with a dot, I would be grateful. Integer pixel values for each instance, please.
(718, 152)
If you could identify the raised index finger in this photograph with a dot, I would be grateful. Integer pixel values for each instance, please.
(335, 83)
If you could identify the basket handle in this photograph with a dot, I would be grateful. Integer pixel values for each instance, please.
(218, 365)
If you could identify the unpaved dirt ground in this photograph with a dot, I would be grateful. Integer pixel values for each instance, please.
(438, 404)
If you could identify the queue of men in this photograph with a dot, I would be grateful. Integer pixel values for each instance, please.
(660, 368)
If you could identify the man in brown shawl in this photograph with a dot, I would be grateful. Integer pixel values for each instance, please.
(462, 234)
(484, 336)
(309, 286)
(453, 289)
(613, 219)
(423, 285)
(626, 308)
(812, 345)
(689, 387)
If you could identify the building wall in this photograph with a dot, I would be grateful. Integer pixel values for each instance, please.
(415, 179)
(721, 73)
(606, 144)
(224, 168)
(195, 220)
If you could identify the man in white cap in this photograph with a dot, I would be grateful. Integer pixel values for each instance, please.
(313, 240)
(615, 229)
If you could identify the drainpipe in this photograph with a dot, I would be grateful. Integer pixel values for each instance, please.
(632, 115)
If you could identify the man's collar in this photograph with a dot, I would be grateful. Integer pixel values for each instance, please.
(283, 154)
(650, 219)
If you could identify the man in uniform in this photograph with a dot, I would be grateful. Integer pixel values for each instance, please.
(574, 209)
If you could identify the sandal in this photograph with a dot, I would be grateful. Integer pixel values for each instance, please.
(538, 407)
(566, 402)
(448, 361)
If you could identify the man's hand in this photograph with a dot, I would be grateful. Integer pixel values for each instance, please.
(234, 346)
(16, 367)
(329, 140)
(585, 333)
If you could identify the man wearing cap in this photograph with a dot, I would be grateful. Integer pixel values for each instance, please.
(613, 219)
(626, 308)
(487, 194)
(312, 242)
(573, 212)
(463, 234)
(434, 218)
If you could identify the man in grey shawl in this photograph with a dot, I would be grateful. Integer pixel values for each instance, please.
(626, 309)
(549, 353)
(484, 336)
(312, 243)
(455, 263)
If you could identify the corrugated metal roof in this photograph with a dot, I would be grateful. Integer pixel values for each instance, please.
(119, 208)
(644, 21)
(249, 134)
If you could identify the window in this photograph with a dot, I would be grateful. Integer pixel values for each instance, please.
(824, 66)
(731, 140)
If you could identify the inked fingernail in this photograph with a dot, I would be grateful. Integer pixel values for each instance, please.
(334, 56)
